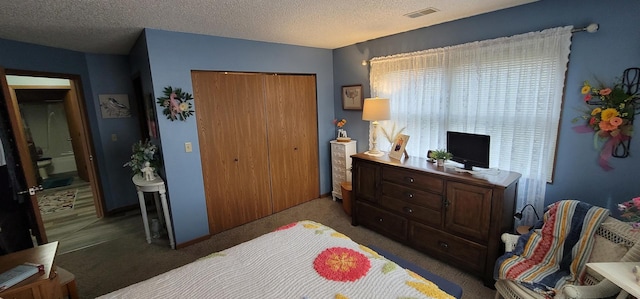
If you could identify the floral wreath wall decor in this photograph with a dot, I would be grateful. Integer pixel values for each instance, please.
(611, 120)
(175, 104)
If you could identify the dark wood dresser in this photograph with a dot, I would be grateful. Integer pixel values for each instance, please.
(456, 217)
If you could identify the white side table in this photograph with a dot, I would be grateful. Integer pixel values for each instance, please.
(341, 165)
(157, 185)
(620, 273)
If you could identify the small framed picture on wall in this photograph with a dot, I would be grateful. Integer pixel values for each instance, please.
(397, 149)
(352, 97)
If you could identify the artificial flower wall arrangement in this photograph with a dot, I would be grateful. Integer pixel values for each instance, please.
(176, 104)
(611, 120)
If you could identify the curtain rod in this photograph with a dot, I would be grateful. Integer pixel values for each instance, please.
(593, 27)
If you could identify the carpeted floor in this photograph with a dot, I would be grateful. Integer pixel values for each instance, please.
(129, 259)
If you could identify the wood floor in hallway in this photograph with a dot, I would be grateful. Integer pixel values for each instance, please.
(79, 227)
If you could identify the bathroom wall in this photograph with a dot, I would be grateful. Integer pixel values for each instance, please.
(47, 123)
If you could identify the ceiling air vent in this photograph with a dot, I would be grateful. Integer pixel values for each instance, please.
(420, 13)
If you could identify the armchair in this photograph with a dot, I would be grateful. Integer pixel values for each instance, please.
(614, 241)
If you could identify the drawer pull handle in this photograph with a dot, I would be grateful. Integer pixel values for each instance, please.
(409, 195)
(446, 202)
(407, 209)
(443, 245)
(380, 219)
(409, 179)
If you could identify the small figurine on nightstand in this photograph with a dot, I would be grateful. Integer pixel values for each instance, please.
(147, 172)
(636, 273)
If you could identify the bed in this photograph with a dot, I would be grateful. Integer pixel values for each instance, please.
(304, 259)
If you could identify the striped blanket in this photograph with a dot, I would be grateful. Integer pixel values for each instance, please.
(544, 260)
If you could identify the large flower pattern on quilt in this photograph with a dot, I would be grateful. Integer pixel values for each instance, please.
(347, 265)
(341, 264)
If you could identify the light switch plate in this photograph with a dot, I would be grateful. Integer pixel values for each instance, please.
(187, 147)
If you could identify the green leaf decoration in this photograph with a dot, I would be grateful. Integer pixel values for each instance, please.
(388, 267)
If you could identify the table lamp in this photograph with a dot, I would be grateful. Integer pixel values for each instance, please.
(375, 109)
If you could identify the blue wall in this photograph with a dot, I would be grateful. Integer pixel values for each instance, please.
(110, 75)
(99, 74)
(604, 54)
(172, 56)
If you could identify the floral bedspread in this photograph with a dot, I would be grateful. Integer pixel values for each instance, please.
(301, 260)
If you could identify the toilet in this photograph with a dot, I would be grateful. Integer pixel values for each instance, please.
(43, 164)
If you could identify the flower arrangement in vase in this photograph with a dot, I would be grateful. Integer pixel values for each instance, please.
(342, 134)
(143, 159)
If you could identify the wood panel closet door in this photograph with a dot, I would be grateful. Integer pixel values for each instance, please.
(233, 147)
(293, 139)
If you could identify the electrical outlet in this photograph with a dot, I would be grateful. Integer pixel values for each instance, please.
(114, 137)
(187, 147)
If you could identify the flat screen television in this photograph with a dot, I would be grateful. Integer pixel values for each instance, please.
(469, 149)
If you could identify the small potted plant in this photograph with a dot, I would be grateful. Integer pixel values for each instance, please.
(440, 155)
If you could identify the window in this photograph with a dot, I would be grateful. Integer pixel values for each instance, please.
(509, 88)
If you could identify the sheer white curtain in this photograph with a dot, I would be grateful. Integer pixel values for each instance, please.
(509, 88)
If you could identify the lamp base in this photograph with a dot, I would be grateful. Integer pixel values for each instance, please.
(375, 153)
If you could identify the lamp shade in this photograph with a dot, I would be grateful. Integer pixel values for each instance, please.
(375, 109)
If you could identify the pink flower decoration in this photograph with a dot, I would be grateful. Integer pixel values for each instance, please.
(587, 97)
(606, 126)
(616, 121)
(605, 92)
(341, 264)
(636, 202)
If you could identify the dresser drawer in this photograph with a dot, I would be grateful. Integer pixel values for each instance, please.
(382, 221)
(413, 179)
(426, 199)
(419, 213)
(458, 251)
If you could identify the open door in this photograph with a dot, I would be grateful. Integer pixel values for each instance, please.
(25, 163)
(79, 136)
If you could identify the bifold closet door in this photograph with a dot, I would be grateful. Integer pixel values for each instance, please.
(292, 123)
(231, 118)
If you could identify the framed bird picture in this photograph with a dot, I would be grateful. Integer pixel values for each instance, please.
(114, 105)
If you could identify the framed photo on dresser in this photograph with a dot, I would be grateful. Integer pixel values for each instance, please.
(398, 147)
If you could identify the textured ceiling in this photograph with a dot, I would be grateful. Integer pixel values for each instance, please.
(112, 26)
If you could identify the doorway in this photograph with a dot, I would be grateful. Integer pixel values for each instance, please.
(56, 150)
